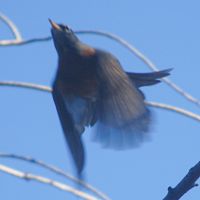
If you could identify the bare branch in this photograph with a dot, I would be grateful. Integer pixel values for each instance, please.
(57, 171)
(152, 104)
(23, 42)
(186, 184)
(174, 109)
(123, 42)
(146, 60)
(176, 193)
(26, 85)
(41, 179)
(12, 27)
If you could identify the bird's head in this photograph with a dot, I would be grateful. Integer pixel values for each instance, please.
(66, 41)
(63, 37)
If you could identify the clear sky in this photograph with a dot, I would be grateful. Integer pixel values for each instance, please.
(166, 31)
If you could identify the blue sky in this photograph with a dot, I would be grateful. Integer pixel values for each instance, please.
(167, 32)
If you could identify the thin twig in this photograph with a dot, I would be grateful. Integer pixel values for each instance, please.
(26, 85)
(123, 42)
(186, 184)
(174, 109)
(57, 171)
(41, 179)
(146, 60)
(152, 104)
(23, 42)
(12, 27)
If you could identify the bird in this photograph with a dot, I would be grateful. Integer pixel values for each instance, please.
(91, 89)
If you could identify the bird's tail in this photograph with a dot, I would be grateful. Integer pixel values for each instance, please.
(145, 79)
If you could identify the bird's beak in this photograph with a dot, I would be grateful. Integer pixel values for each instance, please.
(54, 25)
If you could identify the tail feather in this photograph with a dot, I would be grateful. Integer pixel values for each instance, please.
(145, 79)
(124, 137)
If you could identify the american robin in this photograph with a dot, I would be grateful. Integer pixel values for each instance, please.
(91, 88)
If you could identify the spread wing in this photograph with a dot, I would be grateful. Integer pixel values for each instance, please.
(71, 131)
(123, 119)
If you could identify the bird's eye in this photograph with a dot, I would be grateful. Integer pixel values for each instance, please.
(64, 28)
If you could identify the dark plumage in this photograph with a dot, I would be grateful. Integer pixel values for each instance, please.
(92, 89)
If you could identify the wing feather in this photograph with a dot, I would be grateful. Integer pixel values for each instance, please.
(71, 133)
(123, 117)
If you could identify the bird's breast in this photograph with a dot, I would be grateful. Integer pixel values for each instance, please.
(78, 86)
(77, 76)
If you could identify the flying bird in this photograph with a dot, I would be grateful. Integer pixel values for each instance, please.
(92, 89)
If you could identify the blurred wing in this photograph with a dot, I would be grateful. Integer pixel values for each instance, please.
(123, 118)
(72, 134)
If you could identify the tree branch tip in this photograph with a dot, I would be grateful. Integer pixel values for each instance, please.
(193, 186)
(192, 170)
(170, 189)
